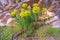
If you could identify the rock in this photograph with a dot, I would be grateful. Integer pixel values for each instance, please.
(8, 21)
(5, 19)
(2, 24)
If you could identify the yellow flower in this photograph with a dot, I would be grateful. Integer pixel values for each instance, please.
(35, 5)
(36, 10)
(22, 14)
(13, 13)
(24, 5)
(44, 9)
(25, 13)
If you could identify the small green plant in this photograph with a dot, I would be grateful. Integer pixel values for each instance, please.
(27, 17)
(7, 32)
(52, 31)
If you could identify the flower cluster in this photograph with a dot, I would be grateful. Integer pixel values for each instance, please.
(24, 5)
(25, 13)
(13, 13)
(36, 9)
